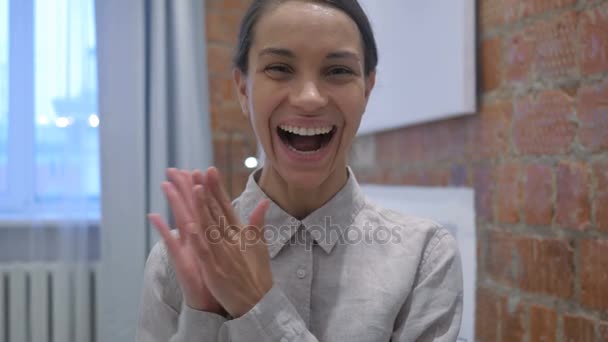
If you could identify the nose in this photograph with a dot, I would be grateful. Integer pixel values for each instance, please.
(307, 97)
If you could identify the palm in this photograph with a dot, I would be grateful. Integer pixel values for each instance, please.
(183, 255)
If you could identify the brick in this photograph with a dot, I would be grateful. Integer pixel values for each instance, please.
(509, 186)
(363, 152)
(372, 176)
(230, 149)
(544, 124)
(491, 13)
(573, 208)
(492, 130)
(513, 10)
(513, 321)
(556, 46)
(594, 40)
(593, 268)
(221, 91)
(546, 266)
(600, 202)
(501, 261)
(434, 142)
(439, 177)
(238, 183)
(227, 5)
(539, 206)
(543, 324)
(423, 177)
(458, 175)
(578, 329)
(222, 26)
(593, 116)
(450, 137)
(484, 183)
(491, 63)
(520, 55)
(603, 331)
(389, 147)
(391, 176)
(534, 7)
(488, 311)
(219, 59)
(231, 118)
(499, 12)
(412, 177)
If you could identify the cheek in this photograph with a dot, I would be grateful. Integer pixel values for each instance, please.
(263, 102)
(351, 102)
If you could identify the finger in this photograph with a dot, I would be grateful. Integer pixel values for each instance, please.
(257, 217)
(202, 248)
(182, 181)
(165, 232)
(173, 248)
(207, 226)
(215, 209)
(215, 182)
(197, 177)
(182, 215)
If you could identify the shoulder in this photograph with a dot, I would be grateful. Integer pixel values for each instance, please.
(159, 276)
(417, 235)
(411, 227)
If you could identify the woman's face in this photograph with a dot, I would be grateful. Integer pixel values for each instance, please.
(305, 90)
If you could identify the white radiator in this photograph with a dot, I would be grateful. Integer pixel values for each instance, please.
(47, 302)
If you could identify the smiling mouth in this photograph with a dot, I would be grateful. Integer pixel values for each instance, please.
(306, 140)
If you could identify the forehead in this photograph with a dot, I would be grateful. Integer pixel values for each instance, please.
(307, 25)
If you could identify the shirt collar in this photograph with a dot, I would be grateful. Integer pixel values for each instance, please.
(325, 225)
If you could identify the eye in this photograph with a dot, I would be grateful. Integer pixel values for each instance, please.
(278, 71)
(339, 71)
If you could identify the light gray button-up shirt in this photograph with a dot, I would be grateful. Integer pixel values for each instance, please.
(350, 271)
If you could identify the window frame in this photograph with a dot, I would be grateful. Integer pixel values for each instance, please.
(20, 140)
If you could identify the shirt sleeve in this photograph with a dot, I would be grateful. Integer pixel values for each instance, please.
(274, 318)
(433, 310)
(162, 317)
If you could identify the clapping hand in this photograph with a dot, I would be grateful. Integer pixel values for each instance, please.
(220, 263)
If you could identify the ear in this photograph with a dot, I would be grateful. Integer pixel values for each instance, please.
(240, 81)
(370, 82)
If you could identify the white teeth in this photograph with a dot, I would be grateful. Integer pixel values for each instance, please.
(306, 131)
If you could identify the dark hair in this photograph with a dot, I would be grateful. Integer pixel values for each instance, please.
(349, 7)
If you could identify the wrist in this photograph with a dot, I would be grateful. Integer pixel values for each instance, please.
(252, 303)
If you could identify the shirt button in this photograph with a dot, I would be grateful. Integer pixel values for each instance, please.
(301, 273)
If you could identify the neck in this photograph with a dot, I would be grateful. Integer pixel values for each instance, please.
(299, 202)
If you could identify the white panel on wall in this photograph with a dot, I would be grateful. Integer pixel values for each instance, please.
(426, 69)
(454, 208)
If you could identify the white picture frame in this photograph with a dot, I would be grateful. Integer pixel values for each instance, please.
(426, 69)
(454, 209)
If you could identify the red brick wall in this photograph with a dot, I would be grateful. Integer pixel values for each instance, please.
(536, 155)
(233, 138)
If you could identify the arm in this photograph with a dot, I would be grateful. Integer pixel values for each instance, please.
(274, 318)
(159, 317)
(433, 310)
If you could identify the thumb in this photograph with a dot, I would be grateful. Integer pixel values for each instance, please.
(257, 216)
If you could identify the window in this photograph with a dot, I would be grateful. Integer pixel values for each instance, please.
(49, 145)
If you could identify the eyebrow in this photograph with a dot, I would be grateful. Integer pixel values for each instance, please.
(290, 54)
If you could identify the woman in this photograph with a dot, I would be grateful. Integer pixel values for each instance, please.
(317, 262)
